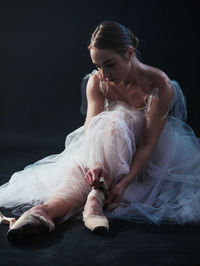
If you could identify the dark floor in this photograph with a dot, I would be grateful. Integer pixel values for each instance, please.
(72, 244)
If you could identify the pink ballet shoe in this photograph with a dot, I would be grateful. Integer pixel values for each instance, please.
(7, 220)
(29, 223)
(98, 224)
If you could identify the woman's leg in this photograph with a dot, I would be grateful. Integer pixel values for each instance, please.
(57, 207)
(117, 147)
(67, 200)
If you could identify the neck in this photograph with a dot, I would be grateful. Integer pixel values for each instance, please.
(134, 73)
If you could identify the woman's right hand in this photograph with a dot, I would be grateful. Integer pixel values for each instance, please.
(92, 176)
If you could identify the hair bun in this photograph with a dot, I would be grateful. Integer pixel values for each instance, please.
(133, 38)
(113, 36)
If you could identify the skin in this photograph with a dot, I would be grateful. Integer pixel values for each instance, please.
(129, 81)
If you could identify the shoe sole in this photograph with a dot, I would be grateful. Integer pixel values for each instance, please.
(15, 235)
(100, 230)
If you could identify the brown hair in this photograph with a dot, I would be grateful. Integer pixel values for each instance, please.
(113, 36)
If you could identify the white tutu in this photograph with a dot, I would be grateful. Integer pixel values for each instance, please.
(167, 190)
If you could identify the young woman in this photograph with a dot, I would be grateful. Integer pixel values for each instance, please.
(134, 156)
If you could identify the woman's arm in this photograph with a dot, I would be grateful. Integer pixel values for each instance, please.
(95, 99)
(155, 120)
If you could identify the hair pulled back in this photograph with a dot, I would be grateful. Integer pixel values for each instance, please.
(113, 36)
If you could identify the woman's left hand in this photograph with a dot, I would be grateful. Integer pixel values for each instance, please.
(115, 195)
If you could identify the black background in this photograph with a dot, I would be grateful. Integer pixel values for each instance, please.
(44, 56)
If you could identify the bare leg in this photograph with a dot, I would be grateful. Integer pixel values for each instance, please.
(57, 207)
(65, 201)
(40, 218)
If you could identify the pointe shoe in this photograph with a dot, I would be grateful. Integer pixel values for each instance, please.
(98, 224)
(7, 220)
(29, 223)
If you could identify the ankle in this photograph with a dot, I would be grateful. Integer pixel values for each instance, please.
(93, 206)
(42, 210)
(47, 210)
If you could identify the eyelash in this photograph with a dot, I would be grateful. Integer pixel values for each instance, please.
(110, 65)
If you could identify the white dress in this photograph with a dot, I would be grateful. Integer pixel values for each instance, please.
(167, 190)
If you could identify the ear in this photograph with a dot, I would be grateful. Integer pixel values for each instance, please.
(130, 52)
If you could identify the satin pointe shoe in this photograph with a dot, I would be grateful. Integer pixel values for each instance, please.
(7, 220)
(29, 223)
(96, 223)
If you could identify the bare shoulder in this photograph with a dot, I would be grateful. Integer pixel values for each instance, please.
(92, 83)
(162, 88)
(93, 86)
(95, 99)
(160, 81)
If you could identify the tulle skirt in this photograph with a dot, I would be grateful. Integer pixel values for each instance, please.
(166, 191)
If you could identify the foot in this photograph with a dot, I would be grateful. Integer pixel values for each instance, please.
(93, 206)
(40, 210)
(7, 220)
(34, 220)
(93, 216)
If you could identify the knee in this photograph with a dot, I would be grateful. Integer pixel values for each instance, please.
(76, 170)
(114, 122)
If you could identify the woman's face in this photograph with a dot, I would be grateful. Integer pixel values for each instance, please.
(111, 65)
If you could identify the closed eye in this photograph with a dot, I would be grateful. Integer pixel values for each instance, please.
(110, 65)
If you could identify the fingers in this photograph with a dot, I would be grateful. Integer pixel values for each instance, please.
(112, 203)
(113, 199)
(110, 199)
(95, 176)
(88, 179)
(92, 177)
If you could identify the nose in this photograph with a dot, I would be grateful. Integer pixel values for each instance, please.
(105, 73)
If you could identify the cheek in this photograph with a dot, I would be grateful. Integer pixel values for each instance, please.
(120, 72)
(124, 71)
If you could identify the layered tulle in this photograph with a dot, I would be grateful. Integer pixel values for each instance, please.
(167, 190)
